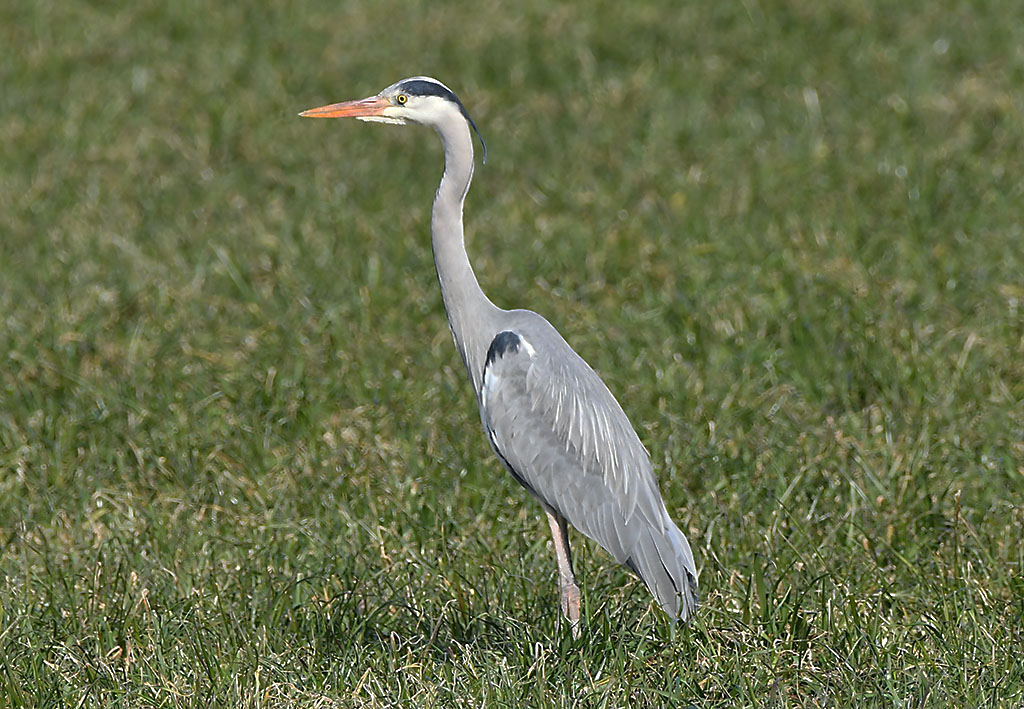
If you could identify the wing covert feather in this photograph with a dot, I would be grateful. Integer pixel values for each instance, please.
(559, 431)
(553, 421)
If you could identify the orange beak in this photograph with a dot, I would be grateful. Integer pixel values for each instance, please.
(372, 106)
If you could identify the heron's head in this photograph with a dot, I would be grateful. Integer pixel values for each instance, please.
(419, 99)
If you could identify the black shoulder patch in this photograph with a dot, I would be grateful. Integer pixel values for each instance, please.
(503, 342)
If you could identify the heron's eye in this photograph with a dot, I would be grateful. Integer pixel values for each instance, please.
(401, 98)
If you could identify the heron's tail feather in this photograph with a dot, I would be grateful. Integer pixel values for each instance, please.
(664, 562)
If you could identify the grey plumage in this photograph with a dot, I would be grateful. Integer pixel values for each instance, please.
(548, 416)
(558, 429)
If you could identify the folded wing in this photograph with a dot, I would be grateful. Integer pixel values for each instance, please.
(561, 434)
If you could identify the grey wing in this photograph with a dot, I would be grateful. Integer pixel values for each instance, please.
(563, 436)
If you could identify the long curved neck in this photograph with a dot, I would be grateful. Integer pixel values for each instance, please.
(469, 310)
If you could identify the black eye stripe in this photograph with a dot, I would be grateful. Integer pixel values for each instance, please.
(419, 87)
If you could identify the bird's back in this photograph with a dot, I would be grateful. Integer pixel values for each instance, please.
(560, 432)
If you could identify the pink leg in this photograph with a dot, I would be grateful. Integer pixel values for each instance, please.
(566, 580)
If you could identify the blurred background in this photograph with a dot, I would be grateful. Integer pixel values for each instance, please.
(239, 462)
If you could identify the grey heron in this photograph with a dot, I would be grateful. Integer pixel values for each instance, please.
(549, 417)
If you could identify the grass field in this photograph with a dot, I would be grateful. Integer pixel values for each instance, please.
(240, 464)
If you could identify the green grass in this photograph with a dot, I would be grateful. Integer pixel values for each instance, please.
(240, 465)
